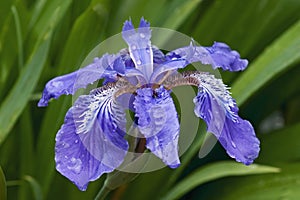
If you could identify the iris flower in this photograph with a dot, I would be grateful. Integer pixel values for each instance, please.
(92, 139)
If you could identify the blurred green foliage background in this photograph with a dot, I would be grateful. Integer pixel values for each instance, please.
(41, 39)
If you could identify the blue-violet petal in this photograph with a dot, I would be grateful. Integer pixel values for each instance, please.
(139, 45)
(218, 109)
(218, 56)
(91, 140)
(158, 122)
(70, 83)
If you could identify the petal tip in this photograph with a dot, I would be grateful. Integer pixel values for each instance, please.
(127, 26)
(44, 100)
(144, 23)
(174, 166)
(42, 103)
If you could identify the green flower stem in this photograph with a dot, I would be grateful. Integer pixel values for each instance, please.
(102, 194)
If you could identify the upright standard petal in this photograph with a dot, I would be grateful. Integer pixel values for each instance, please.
(91, 140)
(158, 122)
(139, 45)
(218, 109)
(218, 56)
(70, 83)
(161, 72)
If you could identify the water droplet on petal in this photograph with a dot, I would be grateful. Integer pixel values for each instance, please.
(133, 47)
(142, 35)
(138, 62)
(75, 165)
(76, 141)
(233, 144)
(66, 145)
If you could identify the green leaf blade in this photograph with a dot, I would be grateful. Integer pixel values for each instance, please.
(215, 171)
(35, 186)
(277, 58)
(283, 185)
(2, 185)
(18, 97)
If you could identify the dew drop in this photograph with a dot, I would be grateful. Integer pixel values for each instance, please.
(142, 35)
(76, 141)
(233, 144)
(75, 165)
(133, 47)
(57, 84)
(66, 145)
(138, 62)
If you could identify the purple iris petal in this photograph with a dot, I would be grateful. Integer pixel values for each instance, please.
(158, 57)
(70, 83)
(217, 108)
(139, 46)
(218, 56)
(165, 67)
(119, 66)
(239, 140)
(91, 140)
(158, 122)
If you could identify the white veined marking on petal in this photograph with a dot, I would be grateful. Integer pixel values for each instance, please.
(86, 119)
(218, 89)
